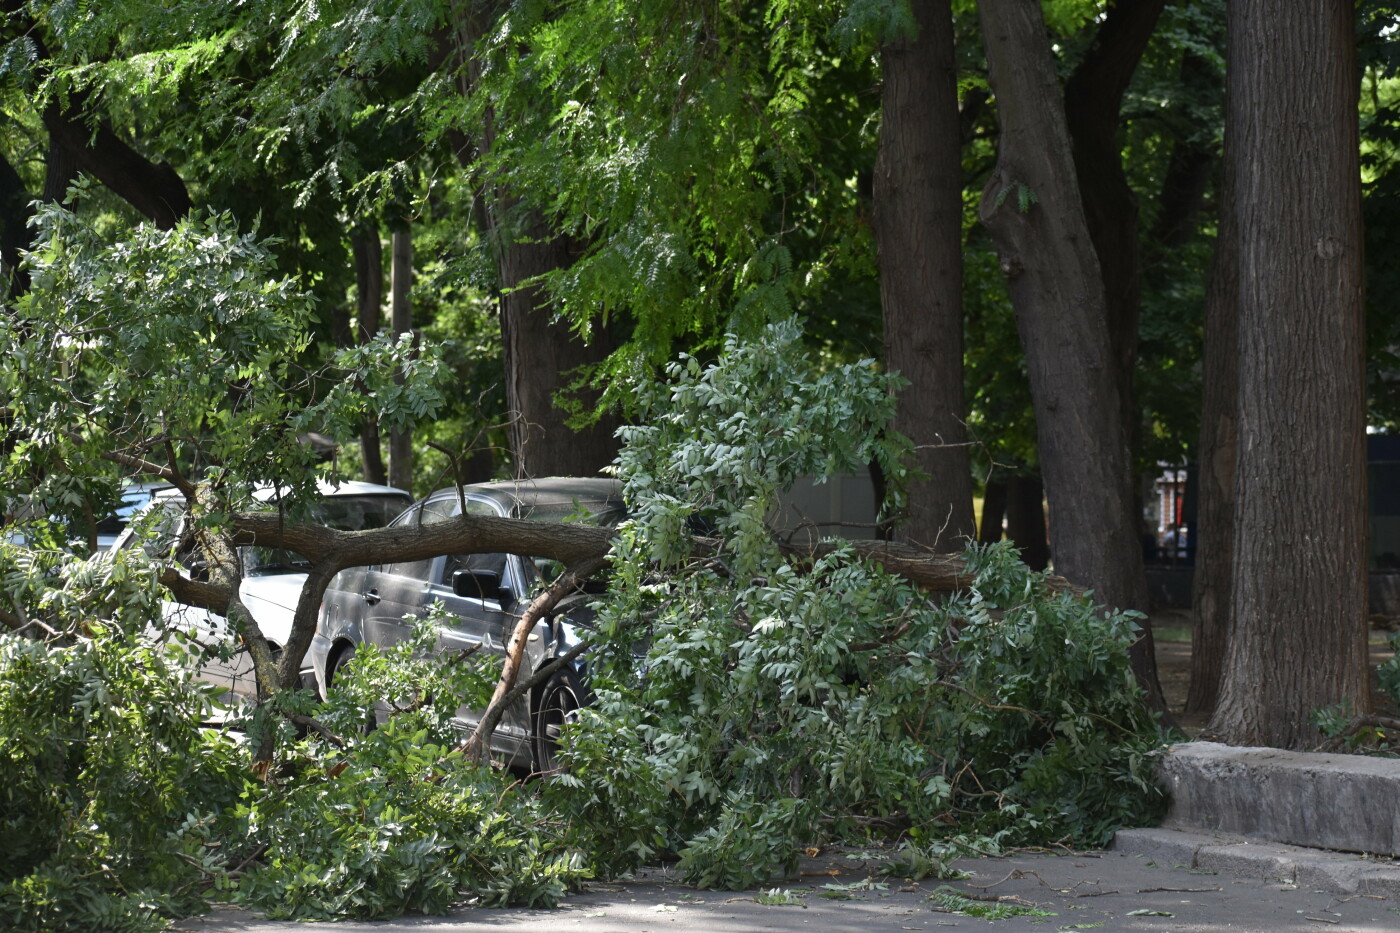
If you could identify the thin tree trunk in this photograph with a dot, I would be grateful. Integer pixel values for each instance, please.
(918, 225)
(1032, 207)
(1093, 102)
(1214, 529)
(1298, 596)
(993, 511)
(14, 230)
(369, 282)
(401, 320)
(1025, 519)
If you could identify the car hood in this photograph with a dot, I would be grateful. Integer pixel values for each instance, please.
(272, 601)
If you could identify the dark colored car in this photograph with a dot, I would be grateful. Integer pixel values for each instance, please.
(484, 594)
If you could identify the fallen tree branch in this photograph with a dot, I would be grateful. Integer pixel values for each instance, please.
(316, 726)
(477, 744)
(1354, 727)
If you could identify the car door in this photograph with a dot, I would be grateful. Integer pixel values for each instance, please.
(480, 594)
(388, 593)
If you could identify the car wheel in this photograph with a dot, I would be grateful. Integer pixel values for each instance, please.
(342, 658)
(560, 701)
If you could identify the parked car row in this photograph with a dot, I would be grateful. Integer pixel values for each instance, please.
(272, 578)
(481, 593)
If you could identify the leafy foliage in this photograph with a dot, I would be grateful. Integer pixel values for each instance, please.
(114, 798)
(395, 820)
(782, 701)
(183, 347)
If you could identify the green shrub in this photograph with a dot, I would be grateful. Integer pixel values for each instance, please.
(111, 793)
(396, 820)
(783, 701)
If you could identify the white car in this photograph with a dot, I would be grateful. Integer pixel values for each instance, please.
(272, 577)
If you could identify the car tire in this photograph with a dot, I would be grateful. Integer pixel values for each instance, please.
(343, 657)
(560, 700)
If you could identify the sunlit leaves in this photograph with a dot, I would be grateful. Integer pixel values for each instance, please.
(183, 348)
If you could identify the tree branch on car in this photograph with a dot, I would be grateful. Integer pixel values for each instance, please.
(479, 741)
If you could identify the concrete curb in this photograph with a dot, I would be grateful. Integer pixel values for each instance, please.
(1310, 869)
(1327, 801)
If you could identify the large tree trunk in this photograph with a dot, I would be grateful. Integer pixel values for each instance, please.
(369, 289)
(1033, 208)
(918, 225)
(542, 358)
(401, 320)
(542, 355)
(1298, 605)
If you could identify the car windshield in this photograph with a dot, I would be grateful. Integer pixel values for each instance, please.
(343, 513)
(606, 514)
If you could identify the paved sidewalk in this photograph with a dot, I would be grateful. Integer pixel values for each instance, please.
(1108, 891)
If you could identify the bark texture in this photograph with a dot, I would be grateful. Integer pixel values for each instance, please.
(918, 226)
(401, 320)
(1219, 447)
(153, 188)
(542, 355)
(1093, 102)
(369, 289)
(1033, 209)
(1298, 604)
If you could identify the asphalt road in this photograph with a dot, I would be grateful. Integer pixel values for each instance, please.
(1106, 891)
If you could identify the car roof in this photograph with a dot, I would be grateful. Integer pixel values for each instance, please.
(560, 491)
(267, 492)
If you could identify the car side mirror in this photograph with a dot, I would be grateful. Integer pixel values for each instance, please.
(479, 584)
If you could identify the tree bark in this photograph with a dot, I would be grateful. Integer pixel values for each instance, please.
(153, 188)
(1214, 529)
(543, 356)
(1093, 103)
(993, 511)
(1298, 598)
(918, 226)
(1025, 519)
(1033, 209)
(476, 746)
(401, 320)
(369, 290)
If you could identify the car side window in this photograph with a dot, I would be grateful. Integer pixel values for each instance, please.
(493, 563)
(428, 513)
(477, 563)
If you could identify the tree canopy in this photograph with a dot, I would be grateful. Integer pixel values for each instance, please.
(484, 232)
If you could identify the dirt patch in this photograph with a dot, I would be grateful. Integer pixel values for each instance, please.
(1172, 637)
